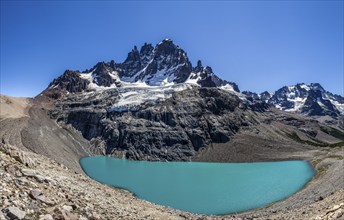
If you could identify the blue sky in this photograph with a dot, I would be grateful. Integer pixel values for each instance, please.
(260, 45)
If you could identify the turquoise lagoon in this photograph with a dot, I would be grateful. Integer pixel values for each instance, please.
(204, 188)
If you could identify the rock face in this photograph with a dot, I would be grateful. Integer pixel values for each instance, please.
(172, 129)
(71, 81)
(176, 125)
(101, 74)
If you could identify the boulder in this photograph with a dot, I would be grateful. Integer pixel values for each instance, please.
(38, 195)
(15, 213)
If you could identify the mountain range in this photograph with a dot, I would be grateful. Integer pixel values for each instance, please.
(167, 65)
(157, 106)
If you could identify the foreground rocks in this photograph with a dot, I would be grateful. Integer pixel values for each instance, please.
(44, 189)
(48, 190)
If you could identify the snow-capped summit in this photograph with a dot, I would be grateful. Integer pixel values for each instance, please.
(165, 68)
(164, 64)
(289, 97)
(311, 100)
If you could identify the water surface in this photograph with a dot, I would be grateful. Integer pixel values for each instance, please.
(205, 188)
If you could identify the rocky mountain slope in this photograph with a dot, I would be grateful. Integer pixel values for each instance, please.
(13, 107)
(157, 106)
(180, 124)
(35, 131)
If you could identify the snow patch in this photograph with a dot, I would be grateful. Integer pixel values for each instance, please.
(298, 103)
(227, 87)
(93, 86)
(132, 97)
(305, 87)
(195, 76)
(338, 105)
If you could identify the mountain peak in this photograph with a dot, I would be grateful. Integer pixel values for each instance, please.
(199, 63)
(166, 63)
(146, 49)
(317, 86)
(166, 40)
(133, 55)
(166, 47)
(310, 99)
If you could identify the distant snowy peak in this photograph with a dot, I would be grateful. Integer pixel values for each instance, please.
(311, 100)
(164, 64)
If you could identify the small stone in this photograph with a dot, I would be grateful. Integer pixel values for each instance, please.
(11, 169)
(22, 158)
(46, 217)
(70, 216)
(15, 213)
(38, 195)
(319, 198)
(6, 202)
(43, 179)
(334, 208)
(39, 178)
(2, 217)
(33, 206)
(18, 173)
(95, 216)
(337, 214)
(67, 208)
(75, 206)
(28, 172)
(22, 181)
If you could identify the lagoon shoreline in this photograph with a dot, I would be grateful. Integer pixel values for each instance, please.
(320, 197)
(225, 187)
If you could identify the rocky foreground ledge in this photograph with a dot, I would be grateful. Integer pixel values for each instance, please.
(36, 187)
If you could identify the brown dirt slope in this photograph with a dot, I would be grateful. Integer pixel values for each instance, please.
(12, 107)
(36, 132)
